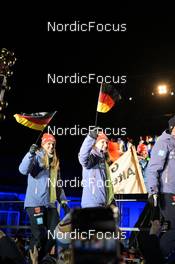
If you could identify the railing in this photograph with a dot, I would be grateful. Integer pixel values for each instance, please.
(130, 210)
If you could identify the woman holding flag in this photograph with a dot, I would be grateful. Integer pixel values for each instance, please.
(41, 165)
(94, 156)
(97, 185)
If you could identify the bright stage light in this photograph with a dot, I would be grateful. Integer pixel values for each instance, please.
(162, 89)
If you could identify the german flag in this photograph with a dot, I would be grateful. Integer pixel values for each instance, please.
(107, 97)
(37, 121)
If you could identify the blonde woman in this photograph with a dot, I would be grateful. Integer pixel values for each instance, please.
(42, 168)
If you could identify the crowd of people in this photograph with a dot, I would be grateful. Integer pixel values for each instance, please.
(40, 164)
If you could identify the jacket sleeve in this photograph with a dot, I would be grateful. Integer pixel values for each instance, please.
(156, 165)
(27, 164)
(85, 150)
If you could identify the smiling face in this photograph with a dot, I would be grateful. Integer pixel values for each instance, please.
(102, 145)
(49, 147)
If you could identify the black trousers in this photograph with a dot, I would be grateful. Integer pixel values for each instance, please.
(167, 208)
(40, 228)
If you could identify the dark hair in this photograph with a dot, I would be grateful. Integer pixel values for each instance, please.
(49, 260)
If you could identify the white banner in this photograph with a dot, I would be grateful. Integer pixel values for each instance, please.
(126, 174)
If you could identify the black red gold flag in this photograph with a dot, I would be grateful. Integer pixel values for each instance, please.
(37, 121)
(107, 97)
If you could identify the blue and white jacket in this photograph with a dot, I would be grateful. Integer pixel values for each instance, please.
(37, 193)
(160, 172)
(94, 175)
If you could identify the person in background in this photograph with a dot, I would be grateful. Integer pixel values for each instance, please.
(150, 143)
(143, 158)
(121, 146)
(9, 252)
(149, 244)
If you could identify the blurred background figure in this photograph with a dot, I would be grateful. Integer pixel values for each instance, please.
(9, 251)
(143, 156)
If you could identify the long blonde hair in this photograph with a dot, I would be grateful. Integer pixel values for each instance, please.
(55, 164)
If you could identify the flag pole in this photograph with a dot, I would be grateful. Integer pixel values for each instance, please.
(96, 116)
(44, 129)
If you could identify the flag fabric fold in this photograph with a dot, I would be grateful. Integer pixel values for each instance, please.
(107, 97)
(37, 121)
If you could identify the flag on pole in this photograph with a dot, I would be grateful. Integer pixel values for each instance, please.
(107, 97)
(37, 121)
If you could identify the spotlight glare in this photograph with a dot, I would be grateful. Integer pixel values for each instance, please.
(162, 89)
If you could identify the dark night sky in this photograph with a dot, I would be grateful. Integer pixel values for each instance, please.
(145, 53)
